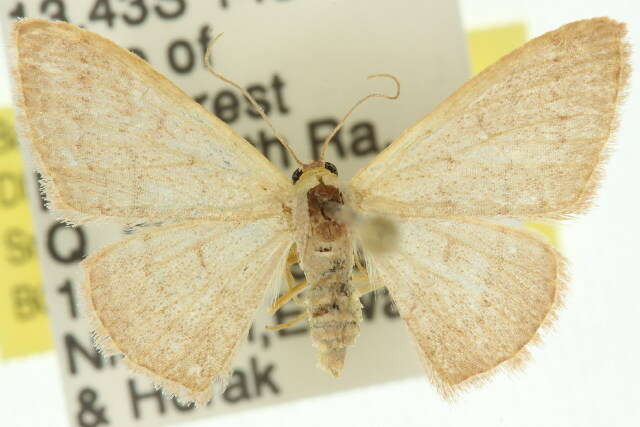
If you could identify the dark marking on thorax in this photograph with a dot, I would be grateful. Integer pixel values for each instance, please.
(322, 224)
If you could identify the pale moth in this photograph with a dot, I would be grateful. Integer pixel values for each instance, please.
(116, 141)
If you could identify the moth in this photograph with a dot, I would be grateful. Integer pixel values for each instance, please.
(116, 141)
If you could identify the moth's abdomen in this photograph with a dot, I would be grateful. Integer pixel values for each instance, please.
(327, 258)
(335, 314)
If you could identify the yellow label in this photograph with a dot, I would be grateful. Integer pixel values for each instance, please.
(486, 46)
(24, 327)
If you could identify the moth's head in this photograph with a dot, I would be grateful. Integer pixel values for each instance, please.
(309, 175)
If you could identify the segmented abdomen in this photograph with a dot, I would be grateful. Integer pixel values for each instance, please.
(335, 311)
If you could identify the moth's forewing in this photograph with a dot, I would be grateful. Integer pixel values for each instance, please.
(116, 140)
(524, 138)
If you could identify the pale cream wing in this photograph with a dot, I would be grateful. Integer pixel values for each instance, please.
(524, 138)
(473, 294)
(116, 139)
(178, 301)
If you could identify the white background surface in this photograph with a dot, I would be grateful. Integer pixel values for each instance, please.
(585, 373)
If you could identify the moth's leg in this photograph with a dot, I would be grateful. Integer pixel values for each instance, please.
(363, 290)
(362, 277)
(291, 294)
(359, 265)
(294, 289)
(293, 256)
(291, 322)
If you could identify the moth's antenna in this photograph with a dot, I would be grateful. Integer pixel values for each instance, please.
(258, 108)
(325, 144)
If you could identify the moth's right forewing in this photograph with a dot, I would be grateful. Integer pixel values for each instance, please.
(524, 138)
(116, 140)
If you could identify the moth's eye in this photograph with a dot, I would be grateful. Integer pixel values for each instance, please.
(296, 175)
(331, 167)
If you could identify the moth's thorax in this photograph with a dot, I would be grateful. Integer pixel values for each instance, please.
(323, 202)
(317, 196)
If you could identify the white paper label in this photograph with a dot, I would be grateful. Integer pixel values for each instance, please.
(306, 62)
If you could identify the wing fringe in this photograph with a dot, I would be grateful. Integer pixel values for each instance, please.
(586, 199)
